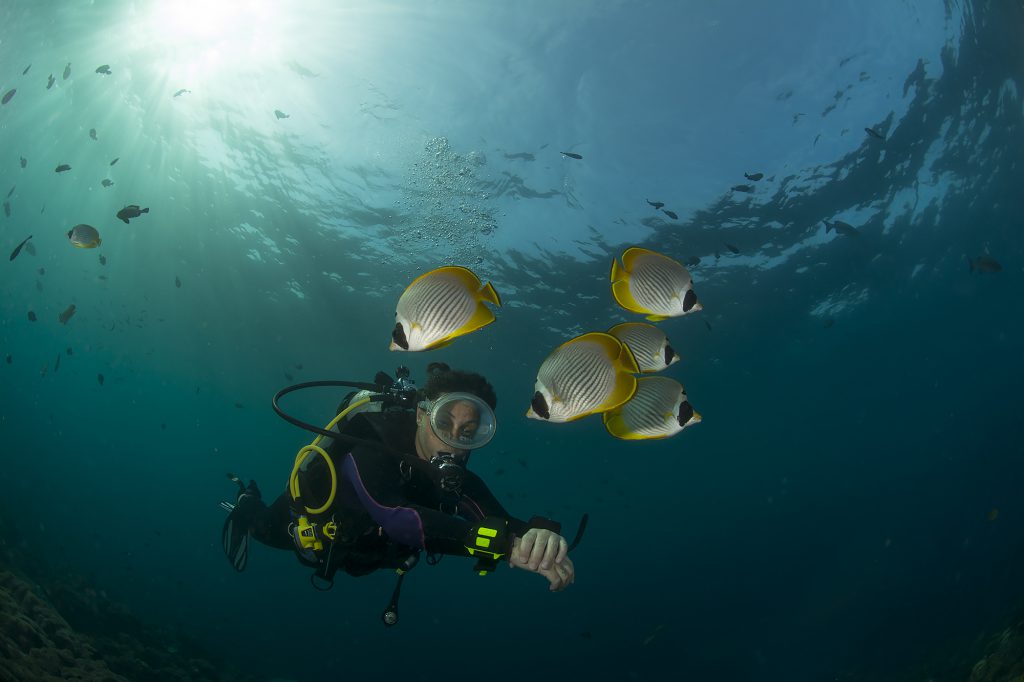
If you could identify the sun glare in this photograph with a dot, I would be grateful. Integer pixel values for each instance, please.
(203, 36)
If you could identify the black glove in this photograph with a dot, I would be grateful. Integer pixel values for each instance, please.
(248, 495)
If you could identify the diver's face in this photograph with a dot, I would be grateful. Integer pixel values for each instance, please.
(456, 420)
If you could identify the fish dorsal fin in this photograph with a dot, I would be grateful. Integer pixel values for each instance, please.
(611, 346)
(630, 256)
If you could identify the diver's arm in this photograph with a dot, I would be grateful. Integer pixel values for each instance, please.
(537, 545)
(377, 486)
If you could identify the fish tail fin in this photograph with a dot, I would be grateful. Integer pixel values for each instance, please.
(145, 210)
(487, 293)
(627, 360)
(617, 272)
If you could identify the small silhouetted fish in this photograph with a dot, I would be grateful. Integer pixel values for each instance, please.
(69, 351)
(92, 133)
(177, 282)
(11, 191)
(67, 71)
(707, 324)
(103, 277)
(298, 365)
(163, 426)
(182, 92)
(103, 259)
(106, 183)
(105, 69)
(9, 359)
(8, 96)
(522, 463)
(24, 162)
(67, 314)
(874, 133)
(753, 177)
(572, 155)
(239, 405)
(99, 378)
(586, 635)
(984, 263)
(7, 209)
(61, 168)
(56, 365)
(17, 249)
(280, 114)
(115, 161)
(655, 204)
(26, 69)
(845, 229)
(31, 316)
(670, 214)
(742, 188)
(692, 261)
(288, 376)
(731, 247)
(131, 211)
(650, 638)
(42, 271)
(827, 324)
(49, 83)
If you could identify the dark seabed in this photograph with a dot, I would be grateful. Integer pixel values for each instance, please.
(849, 509)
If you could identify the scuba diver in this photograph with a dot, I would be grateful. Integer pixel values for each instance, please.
(387, 481)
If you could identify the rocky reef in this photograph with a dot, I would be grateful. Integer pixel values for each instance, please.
(59, 627)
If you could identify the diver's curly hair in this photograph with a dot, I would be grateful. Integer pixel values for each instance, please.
(443, 379)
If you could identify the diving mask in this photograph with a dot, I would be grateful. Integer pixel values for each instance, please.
(462, 421)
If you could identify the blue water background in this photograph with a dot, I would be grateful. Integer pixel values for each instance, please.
(851, 504)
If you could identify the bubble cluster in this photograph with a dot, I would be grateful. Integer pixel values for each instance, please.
(445, 203)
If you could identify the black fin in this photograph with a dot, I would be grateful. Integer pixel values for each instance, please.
(235, 539)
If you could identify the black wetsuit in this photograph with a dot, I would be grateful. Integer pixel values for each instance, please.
(387, 505)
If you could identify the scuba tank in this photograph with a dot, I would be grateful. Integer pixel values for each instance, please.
(314, 528)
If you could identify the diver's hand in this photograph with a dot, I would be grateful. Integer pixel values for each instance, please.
(547, 553)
